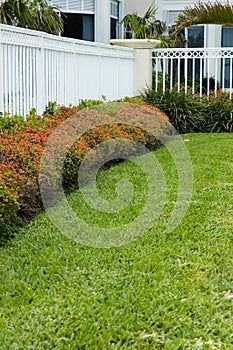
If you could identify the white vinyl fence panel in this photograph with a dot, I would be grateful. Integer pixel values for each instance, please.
(37, 67)
(200, 70)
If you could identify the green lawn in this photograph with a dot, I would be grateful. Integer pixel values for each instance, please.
(163, 291)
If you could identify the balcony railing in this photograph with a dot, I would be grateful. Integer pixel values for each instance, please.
(199, 70)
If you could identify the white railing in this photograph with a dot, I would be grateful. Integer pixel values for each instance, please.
(196, 70)
(37, 67)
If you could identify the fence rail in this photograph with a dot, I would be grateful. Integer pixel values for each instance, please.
(200, 70)
(37, 67)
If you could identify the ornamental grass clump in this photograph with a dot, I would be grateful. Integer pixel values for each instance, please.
(190, 113)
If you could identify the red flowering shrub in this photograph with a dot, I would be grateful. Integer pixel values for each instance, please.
(21, 149)
(11, 183)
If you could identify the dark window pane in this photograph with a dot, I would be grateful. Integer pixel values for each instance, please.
(227, 36)
(196, 37)
(114, 28)
(78, 26)
(227, 41)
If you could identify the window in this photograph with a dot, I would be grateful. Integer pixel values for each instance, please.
(114, 20)
(227, 41)
(172, 17)
(196, 36)
(78, 26)
(78, 17)
(227, 36)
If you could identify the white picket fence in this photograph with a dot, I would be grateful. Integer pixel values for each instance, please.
(199, 70)
(37, 67)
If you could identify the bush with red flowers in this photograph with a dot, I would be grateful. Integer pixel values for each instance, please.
(22, 145)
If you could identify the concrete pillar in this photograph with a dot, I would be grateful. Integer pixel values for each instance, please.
(142, 70)
(142, 67)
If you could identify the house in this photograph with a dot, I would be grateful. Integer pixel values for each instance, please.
(202, 36)
(197, 36)
(167, 10)
(92, 20)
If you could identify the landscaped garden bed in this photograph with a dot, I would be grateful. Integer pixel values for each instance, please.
(22, 144)
(164, 291)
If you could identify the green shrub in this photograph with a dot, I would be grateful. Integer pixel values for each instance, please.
(183, 111)
(7, 122)
(194, 113)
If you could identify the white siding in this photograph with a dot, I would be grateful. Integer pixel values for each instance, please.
(75, 5)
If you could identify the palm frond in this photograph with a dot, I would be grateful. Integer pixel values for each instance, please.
(205, 13)
(34, 14)
(141, 27)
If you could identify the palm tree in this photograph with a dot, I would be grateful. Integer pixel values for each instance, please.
(205, 13)
(144, 27)
(45, 18)
(36, 14)
(150, 27)
(15, 12)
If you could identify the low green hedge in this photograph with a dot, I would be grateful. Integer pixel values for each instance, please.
(188, 113)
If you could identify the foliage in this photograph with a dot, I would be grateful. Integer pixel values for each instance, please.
(189, 113)
(34, 14)
(45, 18)
(15, 12)
(205, 13)
(10, 184)
(165, 291)
(202, 85)
(22, 145)
(177, 38)
(150, 27)
(7, 122)
(141, 27)
(90, 103)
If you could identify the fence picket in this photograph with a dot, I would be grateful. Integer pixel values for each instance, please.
(37, 67)
(208, 68)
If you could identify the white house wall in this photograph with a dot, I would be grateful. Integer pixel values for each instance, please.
(167, 10)
(139, 6)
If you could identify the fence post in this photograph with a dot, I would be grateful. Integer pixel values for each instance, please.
(40, 77)
(142, 66)
(142, 70)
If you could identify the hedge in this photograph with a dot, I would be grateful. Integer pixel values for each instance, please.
(22, 145)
